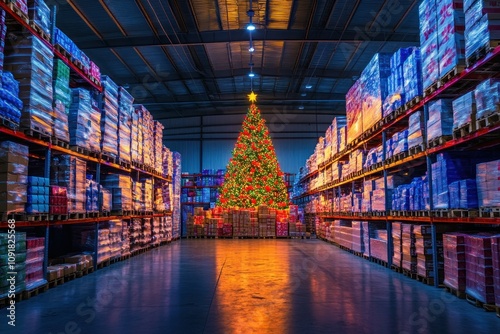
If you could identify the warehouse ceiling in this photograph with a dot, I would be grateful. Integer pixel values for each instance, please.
(190, 58)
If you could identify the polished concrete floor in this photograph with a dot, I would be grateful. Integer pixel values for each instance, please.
(247, 286)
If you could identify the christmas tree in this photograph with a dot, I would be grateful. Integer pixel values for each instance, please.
(253, 175)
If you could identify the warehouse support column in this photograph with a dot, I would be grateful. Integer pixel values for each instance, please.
(96, 248)
(46, 175)
(387, 205)
(201, 144)
(431, 202)
(53, 16)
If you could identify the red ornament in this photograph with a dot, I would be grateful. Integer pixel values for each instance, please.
(271, 202)
(268, 189)
(254, 201)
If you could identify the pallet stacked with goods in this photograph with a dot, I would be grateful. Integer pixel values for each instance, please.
(261, 222)
(419, 161)
(67, 158)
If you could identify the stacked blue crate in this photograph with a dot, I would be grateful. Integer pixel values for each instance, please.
(31, 62)
(451, 24)
(415, 130)
(395, 82)
(38, 195)
(389, 152)
(109, 118)
(84, 121)
(487, 95)
(10, 104)
(464, 110)
(413, 75)
(400, 142)
(39, 14)
(481, 25)
(92, 195)
(440, 121)
(429, 42)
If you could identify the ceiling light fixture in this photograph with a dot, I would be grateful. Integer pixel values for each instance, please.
(251, 74)
(251, 27)
(309, 86)
(251, 49)
(301, 107)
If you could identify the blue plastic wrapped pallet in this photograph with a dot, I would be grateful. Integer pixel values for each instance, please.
(70, 172)
(31, 62)
(488, 183)
(481, 25)
(84, 120)
(109, 117)
(63, 41)
(121, 188)
(415, 130)
(487, 96)
(429, 42)
(440, 121)
(39, 14)
(451, 25)
(413, 75)
(464, 110)
(92, 196)
(10, 104)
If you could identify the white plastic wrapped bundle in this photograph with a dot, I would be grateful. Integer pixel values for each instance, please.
(137, 135)
(481, 25)
(487, 95)
(147, 193)
(451, 23)
(159, 200)
(31, 62)
(464, 110)
(354, 113)
(84, 121)
(13, 183)
(109, 117)
(61, 129)
(106, 200)
(146, 232)
(374, 79)
(400, 142)
(415, 130)
(155, 231)
(125, 239)
(115, 237)
(413, 75)
(148, 142)
(70, 172)
(488, 183)
(440, 119)
(176, 180)
(136, 234)
(103, 243)
(92, 196)
(125, 109)
(137, 196)
(121, 189)
(158, 147)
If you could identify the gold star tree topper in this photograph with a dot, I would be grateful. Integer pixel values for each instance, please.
(252, 97)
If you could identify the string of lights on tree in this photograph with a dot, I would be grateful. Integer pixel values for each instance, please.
(253, 174)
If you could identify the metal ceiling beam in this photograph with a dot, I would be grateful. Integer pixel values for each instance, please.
(240, 35)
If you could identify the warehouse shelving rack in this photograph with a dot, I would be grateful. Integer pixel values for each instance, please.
(485, 137)
(38, 143)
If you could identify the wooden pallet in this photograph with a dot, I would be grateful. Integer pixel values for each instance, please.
(489, 212)
(35, 291)
(455, 292)
(76, 215)
(416, 149)
(122, 212)
(455, 71)
(108, 158)
(481, 52)
(9, 124)
(379, 262)
(63, 52)
(5, 301)
(37, 217)
(84, 272)
(56, 282)
(464, 130)
(410, 104)
(60, 143)
(92, 214)
(444, 213)
(409, 273)
(432, 88)
(6, 216)
(459, 213)
(477, 303)
(488, 120)
(435, 142)
(124, 163)
(40, 31)
(58, 217)
(38, 133)
(18, 12)
(104, 264)
(396, 269)
(425, 280)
